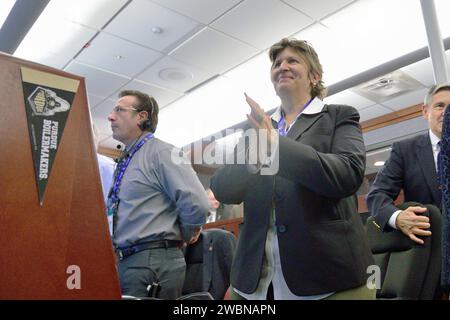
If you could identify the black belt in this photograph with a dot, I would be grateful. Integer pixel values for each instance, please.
(124, 252)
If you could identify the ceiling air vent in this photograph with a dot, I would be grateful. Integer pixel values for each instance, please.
(387, 87)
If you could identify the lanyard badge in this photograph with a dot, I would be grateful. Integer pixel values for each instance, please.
(112, 205)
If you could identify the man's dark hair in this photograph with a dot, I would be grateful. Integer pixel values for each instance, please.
(146, 103)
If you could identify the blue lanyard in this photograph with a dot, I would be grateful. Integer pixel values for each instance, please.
(113, 199)
(282, 130)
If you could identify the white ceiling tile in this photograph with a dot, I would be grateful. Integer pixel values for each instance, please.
(447, 53)
(349, 98)
(261, 23)
(63, 40)
(63, 29)
(366, 34)
(318, 9)
(94, 100)
(136, 21)
(213, 107)
(98, 82)
(92, 13)
(218, 52)
(373, 112)
(54, 60)
(100, 116)
(422, 71)
(203, 11)
(406, 100)
(162, 96)
(330, 48)
(442, 10)
(253, 78)
(175, 75)
(120, 56)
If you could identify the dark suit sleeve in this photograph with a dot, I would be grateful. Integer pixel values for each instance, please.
(386, 187)
(230, 184)
(335, 174)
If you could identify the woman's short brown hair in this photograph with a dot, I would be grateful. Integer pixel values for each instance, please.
(310, 56)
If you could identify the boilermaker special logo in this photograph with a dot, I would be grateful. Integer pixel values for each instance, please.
(45, 102)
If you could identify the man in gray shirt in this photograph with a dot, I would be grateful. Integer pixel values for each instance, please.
(157, 204)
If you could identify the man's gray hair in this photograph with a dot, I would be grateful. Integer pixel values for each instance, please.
(433, 90)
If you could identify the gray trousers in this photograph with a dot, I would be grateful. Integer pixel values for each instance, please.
(166, 267)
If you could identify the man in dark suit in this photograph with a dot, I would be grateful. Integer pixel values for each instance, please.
(412, 167)
(208, 262)
(301, 237)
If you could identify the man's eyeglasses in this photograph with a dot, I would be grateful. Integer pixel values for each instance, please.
(119, 109)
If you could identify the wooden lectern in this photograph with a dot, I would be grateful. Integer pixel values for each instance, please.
(60, 248)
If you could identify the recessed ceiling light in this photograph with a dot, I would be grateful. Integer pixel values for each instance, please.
(175, 74)
(156, 30)
(388, 86)
(379, 164)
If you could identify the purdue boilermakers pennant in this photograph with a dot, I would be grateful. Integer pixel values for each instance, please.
(48, 99)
